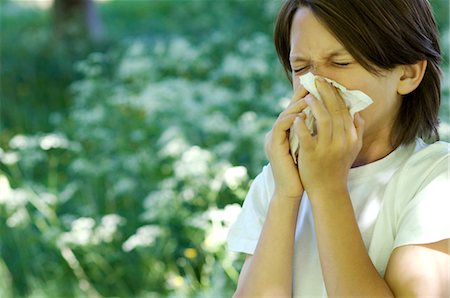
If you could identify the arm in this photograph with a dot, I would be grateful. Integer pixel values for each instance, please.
(412, 271)
(346, 266)
(268, 272)
(324, 162)
(420, 270)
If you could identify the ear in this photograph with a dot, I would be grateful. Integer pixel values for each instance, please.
(411, 77)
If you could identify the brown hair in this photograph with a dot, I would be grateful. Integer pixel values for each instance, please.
(381, 34)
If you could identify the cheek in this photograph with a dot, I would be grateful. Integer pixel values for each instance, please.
(378, 97)
(385, 104)
(369, 87)
(375, 92)
(381, 93)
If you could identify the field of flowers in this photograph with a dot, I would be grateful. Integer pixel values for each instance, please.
(128, 186)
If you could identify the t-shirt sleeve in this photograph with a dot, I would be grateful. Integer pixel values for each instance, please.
(244, 232)
(426, 217)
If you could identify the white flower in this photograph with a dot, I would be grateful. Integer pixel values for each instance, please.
(145, 236)
(235, 176)
(224, 216)
(173, 143)
(81, 233)
(18, 218)
(215, 184)
(158, 203)
(9, 158)
(134, 64)
(221, 219)
(83, 223)
(248, 118)
(215, 237)
(108, 227)
(48, 198)
(112, 220)
(5, 190)
(194, 162)
(158, 197)
(181, 50)
(22, 142)
(174, 281)
(13, 199)
(188, 193)
(50, 141)
(231, 213)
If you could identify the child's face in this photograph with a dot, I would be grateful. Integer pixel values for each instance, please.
(314, 49)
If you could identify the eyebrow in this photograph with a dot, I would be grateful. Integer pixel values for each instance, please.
(339, 52)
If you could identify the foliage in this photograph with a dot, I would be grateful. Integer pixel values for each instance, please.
(130, 186)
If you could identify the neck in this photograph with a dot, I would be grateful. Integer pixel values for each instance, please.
(374, 148)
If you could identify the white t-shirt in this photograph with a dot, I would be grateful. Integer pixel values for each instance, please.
(401, 199)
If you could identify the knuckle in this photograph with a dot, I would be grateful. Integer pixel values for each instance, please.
(309, 97)
(283, 115)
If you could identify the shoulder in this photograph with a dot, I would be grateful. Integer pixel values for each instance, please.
(428, 154)
(406, 275)
(418, 196)
(423, 175)
(428, 161)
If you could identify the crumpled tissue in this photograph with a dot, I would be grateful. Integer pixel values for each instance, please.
(355, 100)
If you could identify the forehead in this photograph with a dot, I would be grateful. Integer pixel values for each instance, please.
(309, 37)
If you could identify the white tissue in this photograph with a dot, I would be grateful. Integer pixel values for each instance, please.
(354, 99)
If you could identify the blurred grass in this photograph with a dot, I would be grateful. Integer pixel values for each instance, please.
(36, 70)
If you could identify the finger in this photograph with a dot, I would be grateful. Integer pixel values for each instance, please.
(281, 126)
(299, 93)
(295, 107)
(330, 95)
(323, 119)
(342, 123)
(306, 141)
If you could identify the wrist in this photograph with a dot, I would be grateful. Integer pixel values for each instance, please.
(285, 205)
(293, 195)
(331, 193)
(286, 198)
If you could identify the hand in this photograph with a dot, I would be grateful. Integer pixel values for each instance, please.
(285, 171)
(325, 159)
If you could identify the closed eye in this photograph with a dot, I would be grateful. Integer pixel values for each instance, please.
(341, 64)
(300, 69)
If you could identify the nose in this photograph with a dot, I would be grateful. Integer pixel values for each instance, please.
(318, 70)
